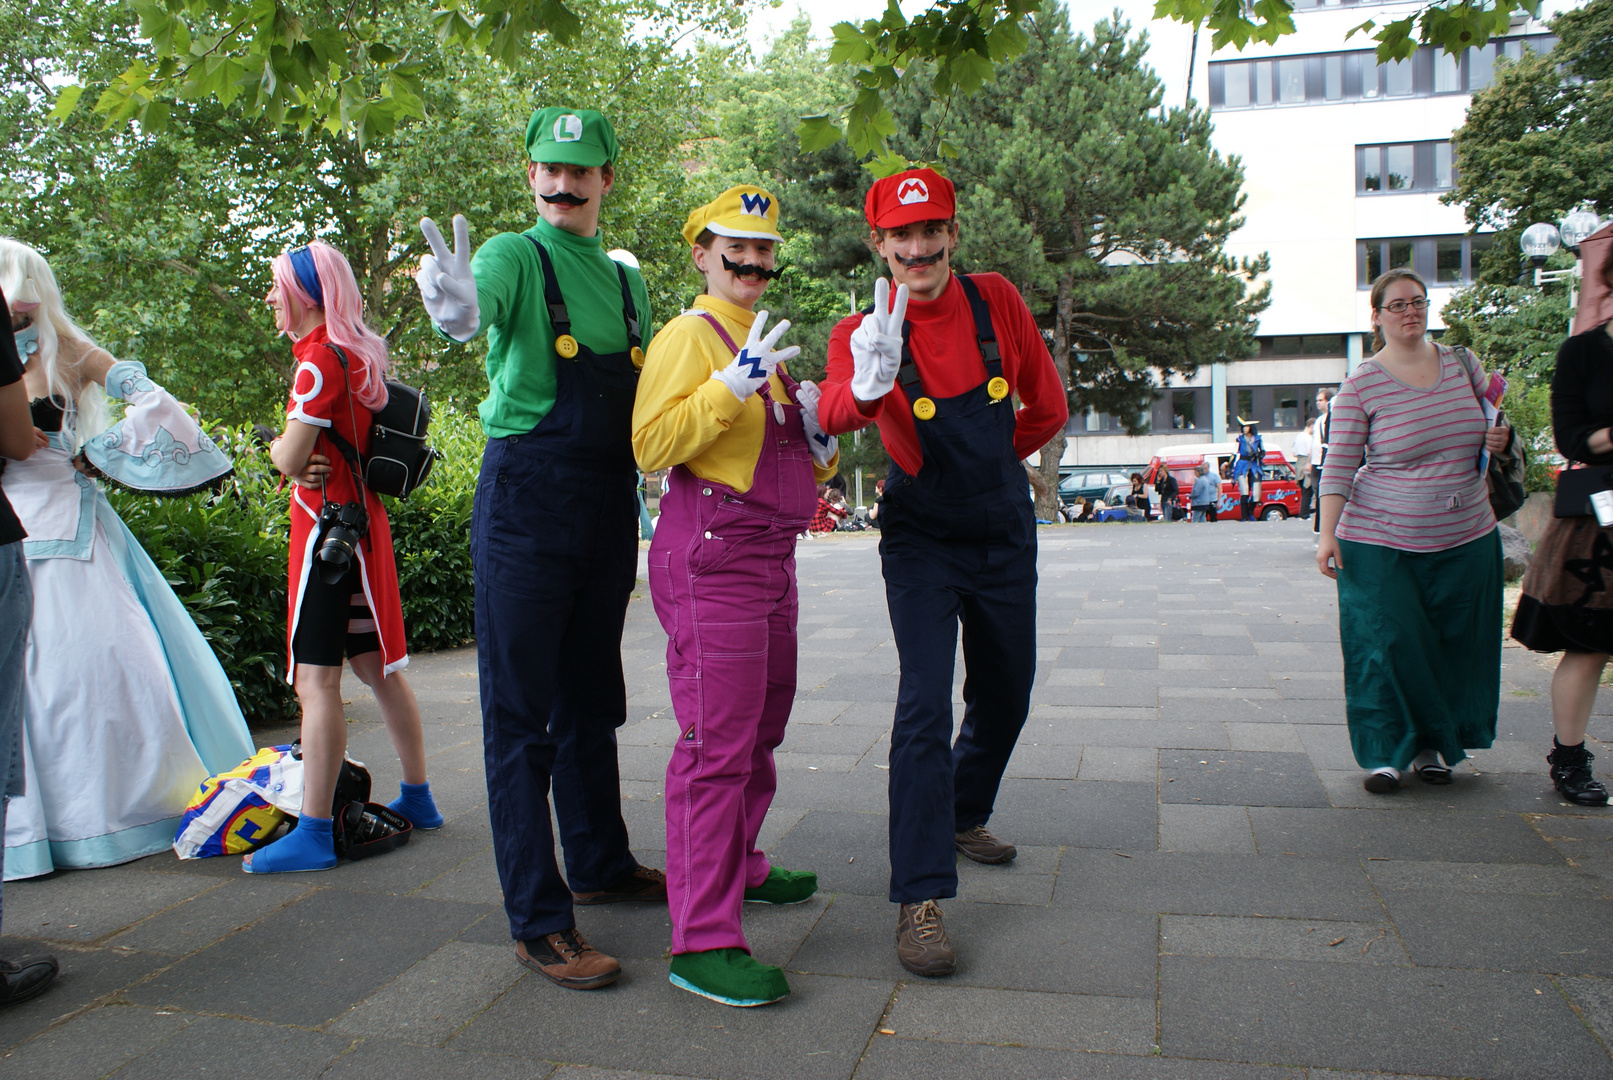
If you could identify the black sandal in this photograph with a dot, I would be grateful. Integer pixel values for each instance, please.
(1434, 774)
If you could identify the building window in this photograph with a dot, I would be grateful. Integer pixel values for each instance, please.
(1439, 260)
(1424, 166)
(1246, 405)
(1285, 407)
(1357, 76)
(1183, 409)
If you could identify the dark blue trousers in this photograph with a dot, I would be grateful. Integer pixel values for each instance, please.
(984, 579)
(555, 549)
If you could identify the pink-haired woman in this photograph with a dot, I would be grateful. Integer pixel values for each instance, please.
(343, 596)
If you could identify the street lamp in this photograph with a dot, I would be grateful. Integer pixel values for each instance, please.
(1540, 240)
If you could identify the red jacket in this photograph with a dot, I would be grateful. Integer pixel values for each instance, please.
(949, 363)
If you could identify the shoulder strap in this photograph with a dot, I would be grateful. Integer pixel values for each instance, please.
(559, 317)
(629, 309)
(727, 339)
(347, 449)
(985, 333)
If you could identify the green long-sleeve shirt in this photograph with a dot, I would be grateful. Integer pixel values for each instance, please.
(520, 354)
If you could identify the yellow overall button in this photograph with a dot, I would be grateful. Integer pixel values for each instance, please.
(637, 356)
(924, 408)
(997, 388)
(566, 346)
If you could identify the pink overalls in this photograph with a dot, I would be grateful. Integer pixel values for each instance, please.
(722, 576)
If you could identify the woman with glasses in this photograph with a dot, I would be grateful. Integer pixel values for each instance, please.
(1572, 612)
(1407, 532)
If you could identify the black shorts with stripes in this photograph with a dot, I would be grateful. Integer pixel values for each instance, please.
(333, 620)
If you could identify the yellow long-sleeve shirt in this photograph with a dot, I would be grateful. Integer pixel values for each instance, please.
(682, 416)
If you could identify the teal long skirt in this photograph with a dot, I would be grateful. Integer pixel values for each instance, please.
(1421, 634)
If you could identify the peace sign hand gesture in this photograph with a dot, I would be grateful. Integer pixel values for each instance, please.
(447, 287)
(876, 345)
(753, 365)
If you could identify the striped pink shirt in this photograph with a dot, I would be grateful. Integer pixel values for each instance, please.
(1420, 488)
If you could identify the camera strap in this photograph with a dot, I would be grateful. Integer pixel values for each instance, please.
(347, 449)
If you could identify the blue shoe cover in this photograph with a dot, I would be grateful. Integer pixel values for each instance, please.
(418, 806)
(310, 846)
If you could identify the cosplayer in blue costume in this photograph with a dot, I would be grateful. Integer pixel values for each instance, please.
(1247, 470)
(110, 758)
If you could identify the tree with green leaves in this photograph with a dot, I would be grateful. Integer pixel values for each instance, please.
(162, 238)
(1110, 214)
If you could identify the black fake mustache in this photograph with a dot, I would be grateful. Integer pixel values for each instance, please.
(564, 198)
(921, 260)
(747, 269)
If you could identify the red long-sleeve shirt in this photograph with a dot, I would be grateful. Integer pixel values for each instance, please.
(949, 363)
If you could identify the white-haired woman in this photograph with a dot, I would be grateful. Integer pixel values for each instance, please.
(127, 708)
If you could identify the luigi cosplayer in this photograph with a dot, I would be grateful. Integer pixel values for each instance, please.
(554, 536)
(937, 366)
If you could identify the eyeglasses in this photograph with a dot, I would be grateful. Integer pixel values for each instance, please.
(1400, 307)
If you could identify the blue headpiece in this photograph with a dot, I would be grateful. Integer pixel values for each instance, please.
(302, 264)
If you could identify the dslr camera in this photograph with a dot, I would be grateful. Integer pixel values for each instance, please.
(342, 527)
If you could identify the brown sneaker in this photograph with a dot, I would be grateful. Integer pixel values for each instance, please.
(921, 940)
(566, 959)
(981, 846)
(645, 883)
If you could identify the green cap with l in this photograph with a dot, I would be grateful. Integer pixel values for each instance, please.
(570, 137)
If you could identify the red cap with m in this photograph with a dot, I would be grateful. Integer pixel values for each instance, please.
(913, 195)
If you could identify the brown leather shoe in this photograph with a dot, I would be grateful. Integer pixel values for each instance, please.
(644, 883)
(981, 846)
(921, 940)
(566, 959)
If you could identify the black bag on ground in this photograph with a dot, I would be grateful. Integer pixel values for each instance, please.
(352, 783)
(399, 459)
(363, 829)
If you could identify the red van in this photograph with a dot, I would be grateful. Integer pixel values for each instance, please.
(1279, 490)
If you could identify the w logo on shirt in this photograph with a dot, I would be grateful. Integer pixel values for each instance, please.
(755, 204)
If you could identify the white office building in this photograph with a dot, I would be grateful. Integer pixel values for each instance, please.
(1345, 160)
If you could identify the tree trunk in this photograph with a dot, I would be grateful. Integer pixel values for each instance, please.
(1047, 505)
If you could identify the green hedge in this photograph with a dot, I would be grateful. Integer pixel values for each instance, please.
(225, 556)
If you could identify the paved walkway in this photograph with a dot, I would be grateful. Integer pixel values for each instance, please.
(1203, 889)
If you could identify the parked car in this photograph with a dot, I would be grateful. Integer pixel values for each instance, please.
(1279, 491)
(1092, 484)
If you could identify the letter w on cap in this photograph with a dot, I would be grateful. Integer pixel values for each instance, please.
(913, 191)
(755, 204)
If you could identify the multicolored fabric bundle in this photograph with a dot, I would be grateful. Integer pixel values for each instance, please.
(243, 808)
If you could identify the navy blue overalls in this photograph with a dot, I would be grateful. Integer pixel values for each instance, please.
(554, 542)
(958, 544)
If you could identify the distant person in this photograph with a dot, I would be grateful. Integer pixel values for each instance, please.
(1408, 535)
(1572, 611)
(1206, 494)
(1248, 471)
(1324, 396)
(879, 497)
(1169, 491)
(1137, 499)
(1302, 468)
(829, 514)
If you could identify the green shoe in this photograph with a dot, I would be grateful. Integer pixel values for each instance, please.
(784, 887)
(730, 976)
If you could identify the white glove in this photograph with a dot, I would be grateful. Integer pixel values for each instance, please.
(447, 287)
(876, 345)
(753, 365)
(824, 447)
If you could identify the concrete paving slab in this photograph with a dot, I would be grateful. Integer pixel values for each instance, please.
(646, 1023)
(436, 997)
(1239, 778)
(91, 1045)
(87, 976)
(1076, 813)
(1456, 837)
(1198, 884)
(1125, 764)
(1397, 875)
(1048, 949)
(215, 1045)
(381, 1059)
(850, 852)
(1422, 1021)
(311, 959)
(60, 906)
(1522, 933)
(200, 921)
(1196, 827)
(901, 1059)
(1312, 940)
(936, 1011)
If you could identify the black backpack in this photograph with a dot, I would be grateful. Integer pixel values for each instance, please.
(399, 459)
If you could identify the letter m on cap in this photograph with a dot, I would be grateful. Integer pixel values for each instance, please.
(912, 190)
(755, 204)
